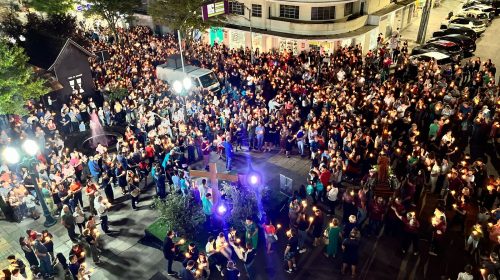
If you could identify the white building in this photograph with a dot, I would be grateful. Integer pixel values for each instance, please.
(300, 25)
(307, 24)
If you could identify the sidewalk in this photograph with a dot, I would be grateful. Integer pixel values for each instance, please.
(437, 16)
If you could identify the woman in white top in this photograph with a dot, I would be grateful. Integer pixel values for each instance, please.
(222, 246)
(79, 218)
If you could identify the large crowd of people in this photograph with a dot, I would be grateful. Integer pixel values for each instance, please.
(371, 125)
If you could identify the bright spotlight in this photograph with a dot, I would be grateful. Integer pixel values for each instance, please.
(10, 155)
(30, 147)
(177, 87)
(221, 209)
(187, 83)
(253, 178)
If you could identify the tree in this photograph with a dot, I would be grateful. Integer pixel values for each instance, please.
(243, 204)
(17, 81)
(183, 15)
(51, 7)
(112, 11)
(58, 27)
(181, 214)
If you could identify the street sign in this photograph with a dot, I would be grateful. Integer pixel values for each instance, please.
(214, 9)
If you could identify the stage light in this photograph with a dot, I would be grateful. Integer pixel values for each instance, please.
(11, 155)
(221, 209)
(177, 87)
(254, 179)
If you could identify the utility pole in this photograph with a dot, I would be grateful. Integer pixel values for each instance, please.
(424, 21)
(252, 59)
(180, 50)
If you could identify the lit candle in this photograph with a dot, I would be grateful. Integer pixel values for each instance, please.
(490, 224)
(453, 192)
(238, 240)
(311, 219)
(315, 208)
(454, 205)
(278, 226)
(182, 241)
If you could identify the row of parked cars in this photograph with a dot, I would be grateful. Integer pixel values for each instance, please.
(459, 32)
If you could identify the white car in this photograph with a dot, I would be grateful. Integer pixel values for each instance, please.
(489, 10)
(474, 14)
(478, 26)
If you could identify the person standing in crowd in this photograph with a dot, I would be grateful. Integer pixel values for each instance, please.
(68, 221)
(228, 149)
(102, 212)
(249, 260)
(29, 252)
(291, 251)
(230, 272)
(252, 232)
(170, 251)
(333, 233)
(43, 256)
(350, 247)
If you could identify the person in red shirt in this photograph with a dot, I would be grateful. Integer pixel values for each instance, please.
(438, 231)
(376, 214)
(91, 192)
(149, 154)
(393, 224)
(76, 189)
(410, 228)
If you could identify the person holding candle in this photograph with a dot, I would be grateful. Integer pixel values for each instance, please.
(270, 232)
(437, 236)
(333, 232)
(170, 251)
(291, 251)
(316, 226)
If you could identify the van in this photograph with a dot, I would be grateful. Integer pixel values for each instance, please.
(199, 76)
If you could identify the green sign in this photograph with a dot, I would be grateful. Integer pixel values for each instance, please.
(216, 35)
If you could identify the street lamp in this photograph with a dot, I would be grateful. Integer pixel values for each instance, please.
(30, 147)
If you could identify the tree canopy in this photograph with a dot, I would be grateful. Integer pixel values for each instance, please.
(52, 6)
(17, 81)
(113, 10)
(183, 15)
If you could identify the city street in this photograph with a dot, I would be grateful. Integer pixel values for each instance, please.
(127, 254)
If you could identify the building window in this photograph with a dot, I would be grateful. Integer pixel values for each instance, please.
(348, 8)
(256, 10)
(288, 11)
(323, 13)
(236, 8)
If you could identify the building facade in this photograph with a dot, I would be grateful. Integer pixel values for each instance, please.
(295, 26)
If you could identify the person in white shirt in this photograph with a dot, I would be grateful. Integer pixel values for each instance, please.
(332, 194)
(29, 201)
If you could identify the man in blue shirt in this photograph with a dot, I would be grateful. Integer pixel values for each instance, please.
(228, 148)
(94, 169)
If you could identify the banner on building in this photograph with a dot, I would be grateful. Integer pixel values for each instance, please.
(216, 35)
(289, 45)
(236, 39)
(257, 42)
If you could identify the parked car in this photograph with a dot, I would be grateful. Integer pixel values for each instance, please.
(466, 43)
(495, 4)
(478, 26)
(446, 47)
(482, 8)
(485, 17)
(456, 30)
(440, 58)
